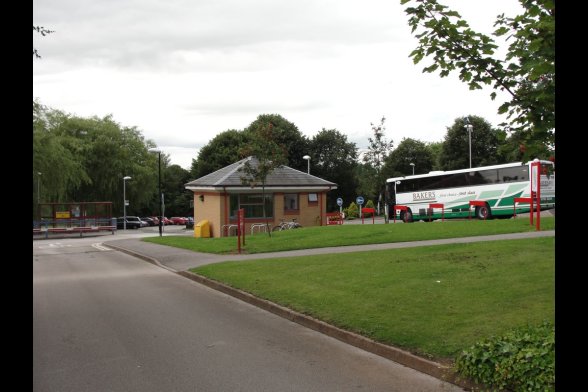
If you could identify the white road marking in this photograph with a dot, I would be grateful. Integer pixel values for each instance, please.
(99, 246)
(54, 245)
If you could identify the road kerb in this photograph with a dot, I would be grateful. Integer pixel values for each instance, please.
(140, 256)
(403, 357)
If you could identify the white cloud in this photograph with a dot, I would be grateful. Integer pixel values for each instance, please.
(183, 71)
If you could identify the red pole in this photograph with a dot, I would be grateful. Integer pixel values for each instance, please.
(532, 194)
(538, 196)
(243, 222)
(239, 231)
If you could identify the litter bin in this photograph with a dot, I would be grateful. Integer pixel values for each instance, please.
(202, 229)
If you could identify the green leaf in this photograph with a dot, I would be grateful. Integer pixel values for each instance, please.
(430, 68)
(500, 31)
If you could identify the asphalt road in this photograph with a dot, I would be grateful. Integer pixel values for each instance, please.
(106, 321)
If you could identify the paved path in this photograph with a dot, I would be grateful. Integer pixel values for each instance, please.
(176, 259)
(106, 321)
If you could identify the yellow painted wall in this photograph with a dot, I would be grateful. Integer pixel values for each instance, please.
(210, 210)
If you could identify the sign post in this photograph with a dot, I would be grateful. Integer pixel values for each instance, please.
(340, 204)
(536, 191)
(359, 200)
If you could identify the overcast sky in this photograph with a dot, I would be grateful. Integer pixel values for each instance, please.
(183, 71)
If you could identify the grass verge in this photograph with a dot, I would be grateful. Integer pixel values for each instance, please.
(326, 236)
(433, 301)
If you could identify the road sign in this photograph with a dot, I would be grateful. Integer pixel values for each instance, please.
(359, 200)
(339, 201)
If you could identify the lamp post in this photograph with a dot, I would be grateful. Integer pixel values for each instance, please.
(412, 164)
(158, 151)
(470, 128)
(125, 178)
(307, 157)
(39, 187)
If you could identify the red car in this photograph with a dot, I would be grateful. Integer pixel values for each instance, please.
(178, 220)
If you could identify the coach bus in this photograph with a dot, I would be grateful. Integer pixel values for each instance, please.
(496, 185)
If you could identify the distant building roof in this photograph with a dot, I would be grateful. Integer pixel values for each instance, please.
(282, 177)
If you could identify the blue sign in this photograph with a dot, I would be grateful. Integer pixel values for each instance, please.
(359, 200)
(339, 201)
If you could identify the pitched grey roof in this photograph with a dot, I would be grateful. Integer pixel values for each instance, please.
(284, 176)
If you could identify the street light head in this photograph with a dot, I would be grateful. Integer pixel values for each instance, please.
(411, 164)
(307, 157)
(39, 173)
(154, 149)
(126, 178)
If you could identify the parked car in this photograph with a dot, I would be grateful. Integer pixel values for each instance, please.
(142, 223)
(189, 222)
(178, 220)
(167, 221)
(149, 220)
(131, 223)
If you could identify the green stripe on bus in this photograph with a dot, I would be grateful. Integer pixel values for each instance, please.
(509, 201)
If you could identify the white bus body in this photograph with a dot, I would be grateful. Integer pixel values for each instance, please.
(496, 185)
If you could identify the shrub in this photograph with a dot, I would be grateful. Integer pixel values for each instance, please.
(521, 360)
(352, 211)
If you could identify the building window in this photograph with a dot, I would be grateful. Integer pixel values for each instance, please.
(291, 202)
(312, 198)
(252, 204)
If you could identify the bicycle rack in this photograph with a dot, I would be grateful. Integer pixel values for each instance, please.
(228, 230)
(260, 226)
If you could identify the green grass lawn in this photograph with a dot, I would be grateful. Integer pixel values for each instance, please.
(325, 236)
(433, 301)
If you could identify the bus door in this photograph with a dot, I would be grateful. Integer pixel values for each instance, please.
(390, 198)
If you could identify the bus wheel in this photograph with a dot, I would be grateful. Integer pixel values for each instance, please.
(406, 216)
(483, 212)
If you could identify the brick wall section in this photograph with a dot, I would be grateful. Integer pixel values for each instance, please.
(215, 209)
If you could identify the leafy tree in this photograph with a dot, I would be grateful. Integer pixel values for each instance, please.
(408, 151)
(334, 158)
(269, 154)
(108, 152)
(85, 159)
(485, 141)
(176, 196)
(379, 147)
(59, 166)
(285, 134)
(221, 151)
(435, 149)
(378, 150)
(526, 73)
(365, 176)
(514, 147)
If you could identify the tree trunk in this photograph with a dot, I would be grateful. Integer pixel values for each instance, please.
(269, 232)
